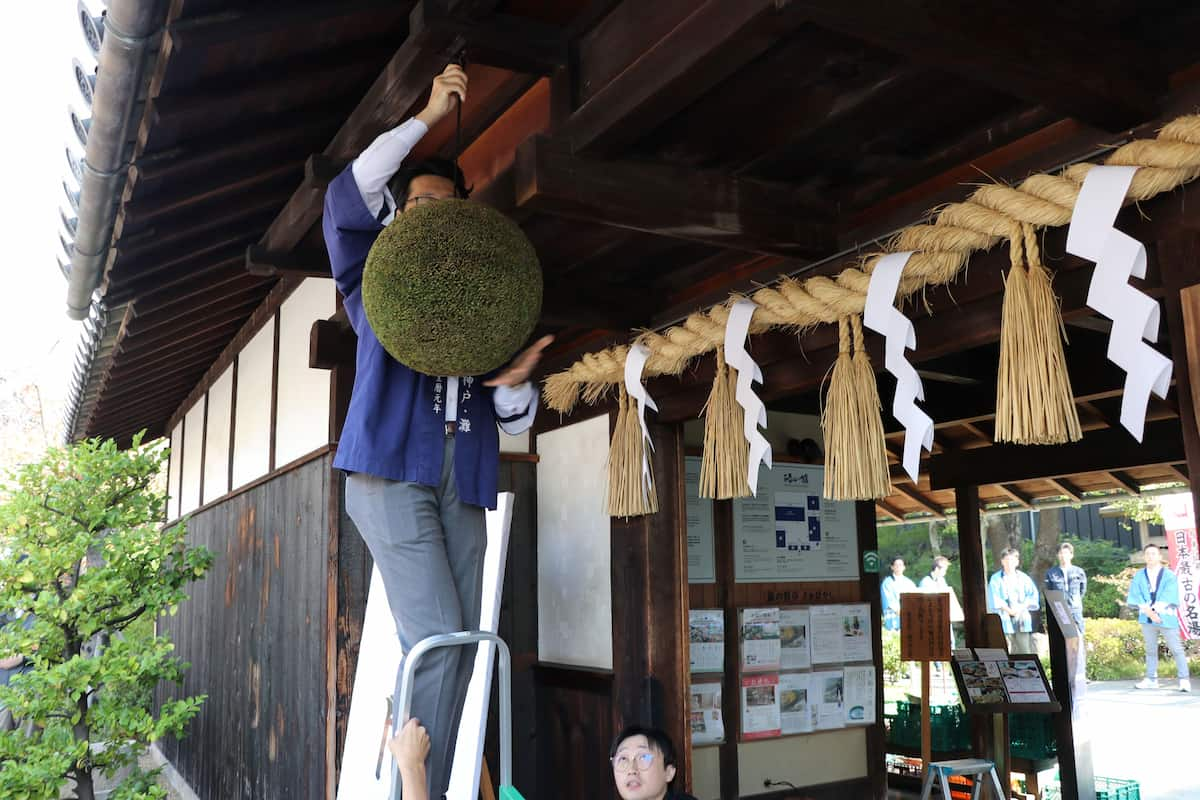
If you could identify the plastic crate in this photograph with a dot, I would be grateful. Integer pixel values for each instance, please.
(950, 731)
(1106, 789)
(1032, 736)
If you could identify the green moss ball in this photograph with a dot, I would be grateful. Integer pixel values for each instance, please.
(452, 288)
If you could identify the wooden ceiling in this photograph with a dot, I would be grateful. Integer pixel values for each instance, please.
(658, 154)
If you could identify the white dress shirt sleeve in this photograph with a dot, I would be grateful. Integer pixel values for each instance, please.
(516, 407)
(378, 163)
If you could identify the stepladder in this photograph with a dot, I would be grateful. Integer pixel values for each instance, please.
(978, 769)
(403, 703)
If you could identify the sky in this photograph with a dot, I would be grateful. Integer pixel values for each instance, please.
(37, 341)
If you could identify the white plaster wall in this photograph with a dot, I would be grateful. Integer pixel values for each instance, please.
(302, 416)
(574, 534)
(193, 450)
(514, 444)
(173, 472)
(802, 760)
(706, 772)
(216, 437)
(252, 431)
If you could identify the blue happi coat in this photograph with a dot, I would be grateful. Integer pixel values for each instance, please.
(395, 424)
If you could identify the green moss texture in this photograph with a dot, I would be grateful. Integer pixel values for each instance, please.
(452, 288)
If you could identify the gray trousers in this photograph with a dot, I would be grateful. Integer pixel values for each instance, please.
(1174, 644)
(429, 548)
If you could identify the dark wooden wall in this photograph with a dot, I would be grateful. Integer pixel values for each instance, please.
(255, 634)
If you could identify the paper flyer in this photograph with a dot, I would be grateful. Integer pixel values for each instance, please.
(1023, 682)
(795, 713)
(760, 640)
(840, 633)
(793, 638)
(760, 707)
(707, 726)
(827, 697)
(700, 546)
(983, 681)
(706, 632)
(859, 685)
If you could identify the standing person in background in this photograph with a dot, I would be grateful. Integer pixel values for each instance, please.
(935, 581)
(1154, 591)
(1013, 595)
(1070, 580)
(890, 589)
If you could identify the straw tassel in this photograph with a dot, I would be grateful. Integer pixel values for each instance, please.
(1034, 403)
(726, 452)
(856, 465)
(628, 494)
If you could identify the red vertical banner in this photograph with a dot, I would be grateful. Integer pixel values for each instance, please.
(1179, 520)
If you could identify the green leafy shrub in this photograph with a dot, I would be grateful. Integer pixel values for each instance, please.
(1104, 598)
(84, 555)
(452, 288)
(1116, 651)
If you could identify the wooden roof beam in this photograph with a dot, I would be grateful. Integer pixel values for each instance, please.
(1049, 60)
(710, 41)
(711, 208)
(1019, 497)
(1066, 488)
(401, 85)
(889, 510)
(1125, 481)
(920, 499)
(300, 263)
(1101, 450)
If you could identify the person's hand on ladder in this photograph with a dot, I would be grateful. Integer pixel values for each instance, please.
(410, 748)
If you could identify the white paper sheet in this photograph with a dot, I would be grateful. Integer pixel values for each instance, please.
(827, 697)
(860, 695)
(882, 316)
(707, 639)
(760, 640)
(635, 362)
(708, 727)
(760, 707)
(796, 715)
(1135, 316)
(795, 650)
(748, 373)
(840, 633)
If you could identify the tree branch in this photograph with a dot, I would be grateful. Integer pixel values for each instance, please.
(123, 620)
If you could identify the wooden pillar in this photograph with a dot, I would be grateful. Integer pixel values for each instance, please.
(1179, 262)
(868, 539)
(650, 604)
(989, 734)
(730, 703)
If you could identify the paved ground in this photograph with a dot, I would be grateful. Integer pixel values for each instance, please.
(1149, 736)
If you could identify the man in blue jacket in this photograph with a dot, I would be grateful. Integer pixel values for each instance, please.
(421, 451)
(1012, 595)
(1154, 591)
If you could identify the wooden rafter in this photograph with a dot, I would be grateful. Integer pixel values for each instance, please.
(920, 499)
(1066, 488)
(889, 510)
(1125, 481)
(1021, 499)
(1056, 62)
(1107, 449)
(706, 207)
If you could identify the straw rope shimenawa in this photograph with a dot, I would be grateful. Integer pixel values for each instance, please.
(942, 247)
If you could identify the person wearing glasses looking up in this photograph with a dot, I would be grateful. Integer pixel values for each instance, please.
(421, 451)
(643, 764)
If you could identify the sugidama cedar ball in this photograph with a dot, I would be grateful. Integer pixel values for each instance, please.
(452, 288)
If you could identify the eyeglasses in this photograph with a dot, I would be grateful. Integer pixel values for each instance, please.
(639, 762)
(418, 199)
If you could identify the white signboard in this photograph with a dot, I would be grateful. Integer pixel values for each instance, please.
(702, 566)
(790, 533)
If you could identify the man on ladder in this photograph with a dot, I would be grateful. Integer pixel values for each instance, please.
(420, 476)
